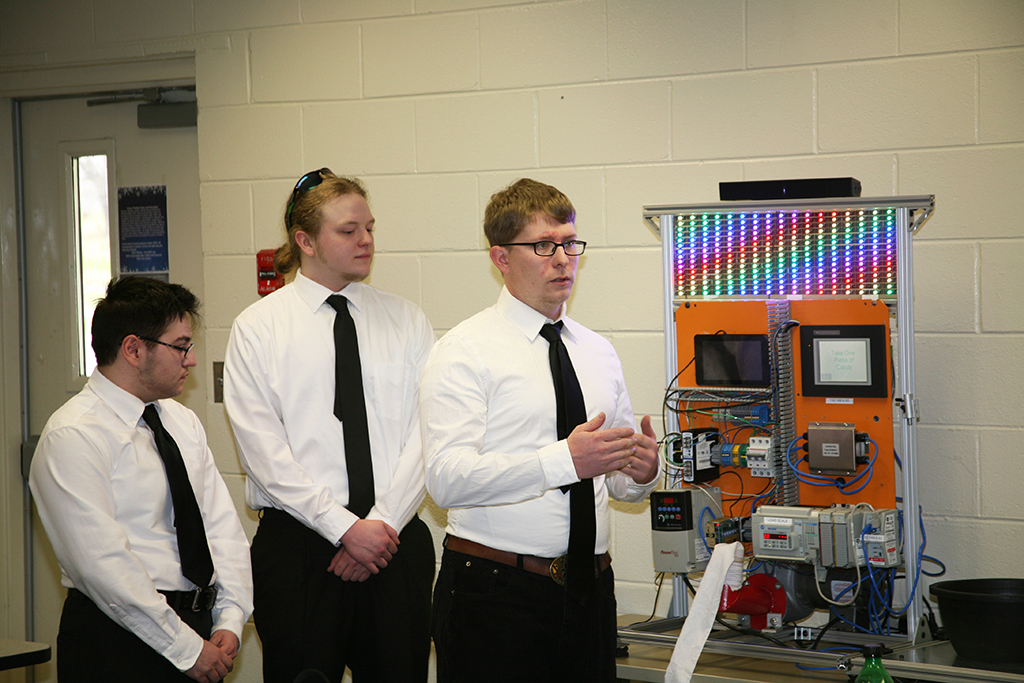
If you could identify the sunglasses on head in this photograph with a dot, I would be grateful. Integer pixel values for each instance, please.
(305, 184)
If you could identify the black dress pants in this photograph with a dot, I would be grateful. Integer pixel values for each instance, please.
(93, 648)
(501, 624)
(308, 619)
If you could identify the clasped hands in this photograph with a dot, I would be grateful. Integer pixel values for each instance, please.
(597, 451)
(366, 548)
(216, 659)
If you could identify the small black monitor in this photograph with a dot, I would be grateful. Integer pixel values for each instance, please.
(843, 361)
(732, 360)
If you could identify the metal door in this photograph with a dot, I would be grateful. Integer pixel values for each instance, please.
(53, 131)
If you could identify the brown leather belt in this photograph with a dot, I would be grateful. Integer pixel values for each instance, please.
(553, 568)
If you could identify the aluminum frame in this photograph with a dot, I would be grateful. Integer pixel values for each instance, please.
(911, 214)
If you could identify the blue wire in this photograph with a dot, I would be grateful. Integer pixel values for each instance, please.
(700, 525)
(917, 574)
(936, 561)
(821, 480)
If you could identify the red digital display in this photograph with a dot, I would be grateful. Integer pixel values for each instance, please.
(775, 537)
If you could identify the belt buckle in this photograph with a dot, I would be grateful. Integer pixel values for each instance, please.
(557, 569)
(204, 599)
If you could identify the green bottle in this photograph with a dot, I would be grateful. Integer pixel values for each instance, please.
(873, 671)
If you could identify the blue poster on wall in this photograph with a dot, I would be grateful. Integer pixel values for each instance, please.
(142, 217)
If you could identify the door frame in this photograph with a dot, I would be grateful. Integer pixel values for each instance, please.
(16, 570)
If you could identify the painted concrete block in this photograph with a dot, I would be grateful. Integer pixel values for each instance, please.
(483, 131)
(1001, 99)
(213, 16)
(947, 297)
(314, 11)
(604, 124)
(948, 470)
(969, 380)
(425, 213)
(950, 25)
(517, 50)
(671, 38)
(226, 210)
(899, 104)
(222, 70)
(279, 75)
(1002, 282)
(810, 32)
(252, 142)
(976, 190)
(360, 138)
(743, 115)
(143, 20)
(427, 54)
(1000, 473)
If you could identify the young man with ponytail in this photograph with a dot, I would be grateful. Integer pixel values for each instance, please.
(342, 566)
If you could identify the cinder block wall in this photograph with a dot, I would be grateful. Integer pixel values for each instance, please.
(621, 103)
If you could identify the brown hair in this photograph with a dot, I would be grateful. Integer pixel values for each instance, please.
(511, 209)
(303, 213)
(141, 306)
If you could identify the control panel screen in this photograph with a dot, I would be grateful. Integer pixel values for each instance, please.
(843, 361)
(731, 360)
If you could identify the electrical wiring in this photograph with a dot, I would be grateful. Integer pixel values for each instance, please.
(733, 627)
(765, 493)
(700, 527)
(917, 574)
(817, 585)
(753, 570)
(703, 489)
(929, 558)
(736, 497)
(659, 580)
(821, 634)
(821, 480)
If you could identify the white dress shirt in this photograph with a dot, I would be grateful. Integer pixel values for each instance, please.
(279, 394)
(487, 406)
(103, 496)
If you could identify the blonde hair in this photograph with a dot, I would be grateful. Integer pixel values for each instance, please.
(303, 213)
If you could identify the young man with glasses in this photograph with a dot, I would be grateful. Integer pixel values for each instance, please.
(118, 471)
(527, 430)
(320, 385)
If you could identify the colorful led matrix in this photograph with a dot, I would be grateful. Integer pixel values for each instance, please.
(785, 253)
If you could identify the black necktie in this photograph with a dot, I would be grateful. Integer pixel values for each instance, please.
(350, 408)
(572, 412)
(193, 549)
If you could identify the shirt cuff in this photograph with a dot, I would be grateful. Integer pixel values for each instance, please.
(336, 524)
(557, 465)
(185, 651)
(230, 618)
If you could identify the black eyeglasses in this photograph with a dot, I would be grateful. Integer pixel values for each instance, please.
(548, 248)
(305, 184)
(184, 349)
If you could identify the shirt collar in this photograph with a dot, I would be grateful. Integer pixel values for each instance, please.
(125, 405)
(314, 294)
(528, 320)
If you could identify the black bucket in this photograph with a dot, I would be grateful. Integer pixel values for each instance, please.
(984, 618)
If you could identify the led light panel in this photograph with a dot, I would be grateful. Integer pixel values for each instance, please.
(784, 253)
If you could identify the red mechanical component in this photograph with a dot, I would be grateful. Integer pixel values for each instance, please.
(759, 596)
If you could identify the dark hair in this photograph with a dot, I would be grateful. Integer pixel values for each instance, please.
(511, 209)
(305, 216)
(141, 306)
